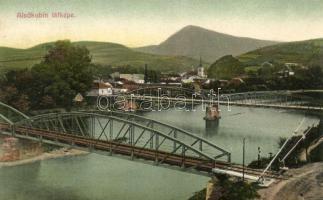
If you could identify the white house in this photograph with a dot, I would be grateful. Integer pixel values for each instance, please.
(101, 89)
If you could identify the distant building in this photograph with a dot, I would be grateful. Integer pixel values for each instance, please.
(194, 75)
(293, 65)
(170, 78)
(137, 78)
(100, 89)
(236, 81)
(115, 75)
(200, 70)
(119, 90)
(191, 79)
(287, 71)
(223, 83)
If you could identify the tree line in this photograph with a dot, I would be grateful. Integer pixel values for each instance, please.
(64, 71)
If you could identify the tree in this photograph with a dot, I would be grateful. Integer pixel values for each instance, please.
(226, 67)
(22, 103)
(11, 96)
(266, 71)
(235, 189)
(64, 72)
(47, 102)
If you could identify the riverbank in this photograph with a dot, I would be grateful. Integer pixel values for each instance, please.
(57, 153)
(306, 181)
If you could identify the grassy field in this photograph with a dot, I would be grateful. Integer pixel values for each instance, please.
(102, 53)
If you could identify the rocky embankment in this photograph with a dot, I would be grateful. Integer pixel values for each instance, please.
(306, 183)
(15, 151)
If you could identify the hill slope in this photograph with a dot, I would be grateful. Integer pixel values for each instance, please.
(309, 52)
(102, 53)
(193, 41)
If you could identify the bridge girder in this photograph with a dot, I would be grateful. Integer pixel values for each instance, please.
(178, 133)
(109, 128)
(10, 115)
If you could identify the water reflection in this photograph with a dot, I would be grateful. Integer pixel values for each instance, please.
(261, 127)
(211, 131)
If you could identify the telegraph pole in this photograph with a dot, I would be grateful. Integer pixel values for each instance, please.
(243, 158)
(259, 151)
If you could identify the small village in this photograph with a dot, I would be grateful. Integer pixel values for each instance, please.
(196, 79)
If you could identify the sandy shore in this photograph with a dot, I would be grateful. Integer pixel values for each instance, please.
(306, 181)
(63, 152)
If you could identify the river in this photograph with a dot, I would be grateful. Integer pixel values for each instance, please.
(110, 178)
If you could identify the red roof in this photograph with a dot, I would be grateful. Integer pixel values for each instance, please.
(101, 86)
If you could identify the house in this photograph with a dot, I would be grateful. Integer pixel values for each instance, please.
(119, 90)
(289, 66)
(287, 71)
(191, 79)
(223, 83)
(170, 78)
(236, 82)
(100, 89)
(115, 75)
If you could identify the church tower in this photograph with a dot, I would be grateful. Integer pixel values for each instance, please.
(200, 69)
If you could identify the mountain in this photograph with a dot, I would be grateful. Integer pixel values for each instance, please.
(102, 53)
(300, 53)
(194, 41)
(308, 52)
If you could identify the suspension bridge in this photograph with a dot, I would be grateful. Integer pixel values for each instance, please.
(294, 100)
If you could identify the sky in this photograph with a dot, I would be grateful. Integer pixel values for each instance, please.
(144, 22)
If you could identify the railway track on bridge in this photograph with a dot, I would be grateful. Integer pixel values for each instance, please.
(156, 156)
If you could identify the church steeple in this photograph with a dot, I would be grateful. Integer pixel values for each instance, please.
(200, 69)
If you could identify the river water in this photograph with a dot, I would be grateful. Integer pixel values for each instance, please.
(102, 177)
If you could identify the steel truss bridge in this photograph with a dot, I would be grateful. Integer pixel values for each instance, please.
(295, 100)
(127, 135)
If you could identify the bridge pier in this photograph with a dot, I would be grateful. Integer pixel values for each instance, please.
(212, 117)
